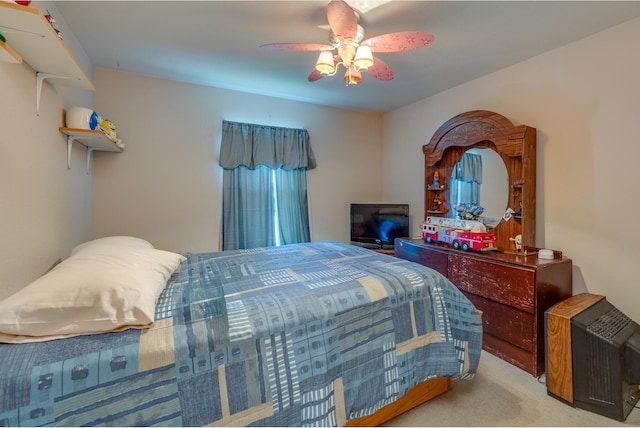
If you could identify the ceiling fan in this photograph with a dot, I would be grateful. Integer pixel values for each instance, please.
(348, 48)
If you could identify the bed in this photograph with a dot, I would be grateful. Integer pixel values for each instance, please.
(322, 334)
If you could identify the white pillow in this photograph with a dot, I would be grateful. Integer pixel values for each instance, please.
(93, 291)
(112, 243)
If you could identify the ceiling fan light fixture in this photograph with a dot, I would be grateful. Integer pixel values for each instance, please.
(346, 52)
(352, 76)
(349, 48)
(363, 59)
(325, 64)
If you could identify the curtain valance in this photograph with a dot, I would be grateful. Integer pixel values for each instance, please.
(277, 148)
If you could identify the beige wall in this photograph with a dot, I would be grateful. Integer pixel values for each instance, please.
(166, 186)
(45, 209)
(584, 100)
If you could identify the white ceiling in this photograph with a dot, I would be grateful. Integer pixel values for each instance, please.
(216, 43)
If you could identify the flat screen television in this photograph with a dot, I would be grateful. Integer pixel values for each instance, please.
(378, 225)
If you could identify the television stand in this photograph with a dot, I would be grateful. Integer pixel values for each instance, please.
(384, 249)
(387, 251)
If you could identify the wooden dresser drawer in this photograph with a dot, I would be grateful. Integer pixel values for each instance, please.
(508, 324)
(512, 290)
(503, 283)
(433, 258)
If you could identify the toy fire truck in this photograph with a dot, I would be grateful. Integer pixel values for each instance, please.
(460, 234)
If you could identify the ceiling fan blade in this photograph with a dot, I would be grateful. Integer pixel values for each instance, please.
(380, 70)
(396, 42)
(297, 47)
(314, 75)
(342, 19)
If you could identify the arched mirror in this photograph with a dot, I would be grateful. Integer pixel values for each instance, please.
(512, 148)
(479, 187)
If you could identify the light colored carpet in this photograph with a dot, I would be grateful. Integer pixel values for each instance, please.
(503, 395)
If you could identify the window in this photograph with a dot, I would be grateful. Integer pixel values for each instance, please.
(265, 199)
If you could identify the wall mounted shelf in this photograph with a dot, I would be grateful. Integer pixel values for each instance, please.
(30, 35)
(9, 55)
(92, 140)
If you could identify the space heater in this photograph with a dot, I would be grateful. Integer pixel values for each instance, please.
(592, 356)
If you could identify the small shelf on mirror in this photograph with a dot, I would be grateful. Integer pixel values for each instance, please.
(92, 140)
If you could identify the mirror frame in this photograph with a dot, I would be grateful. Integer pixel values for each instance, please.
(516, 145)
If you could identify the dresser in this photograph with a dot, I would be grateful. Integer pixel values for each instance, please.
(512, 290)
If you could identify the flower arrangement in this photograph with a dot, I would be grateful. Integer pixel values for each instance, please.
(468, 211)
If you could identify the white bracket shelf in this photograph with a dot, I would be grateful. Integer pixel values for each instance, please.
(40, 77)
(92, 140)
(31, 35)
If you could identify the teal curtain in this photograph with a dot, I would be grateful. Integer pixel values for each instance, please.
(248, 207)
(293, 206)
(466, 178)
(265, 199)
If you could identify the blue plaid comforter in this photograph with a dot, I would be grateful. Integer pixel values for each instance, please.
(304, 334)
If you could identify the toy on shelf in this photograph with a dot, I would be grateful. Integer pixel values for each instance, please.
(109, 129)
(436, 182)
(436, 205)
(517, 241)
(518, 213)
(52, 22)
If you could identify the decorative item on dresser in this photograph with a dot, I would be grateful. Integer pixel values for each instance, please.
(513, 291)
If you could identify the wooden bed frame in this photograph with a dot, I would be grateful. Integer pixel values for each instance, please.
(416, 396)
